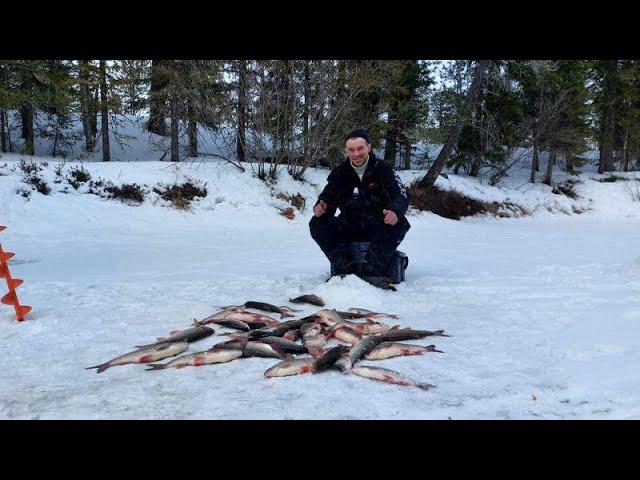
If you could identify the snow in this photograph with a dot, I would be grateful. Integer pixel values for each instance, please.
(544, 306)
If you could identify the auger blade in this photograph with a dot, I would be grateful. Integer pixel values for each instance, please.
(4, 256)
(21, 311)
(15, 283)
(10, 298)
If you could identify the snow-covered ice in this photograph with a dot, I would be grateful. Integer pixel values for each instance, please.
(543, 310)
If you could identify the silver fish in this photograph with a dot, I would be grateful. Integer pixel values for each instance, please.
(290, 367)
(329, 358)
(394, 349)
(312, 299)
(371, 314)
(368, 328)
(197, 332)
(145, 355)
(346, 335)
(284, 345)
(253, 349)
(267, 307)
(399, 334)
(197, 359)
(388, 376)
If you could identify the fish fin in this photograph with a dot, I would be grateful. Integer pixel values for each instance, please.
(440, 333)
(156, 366)
(174, 332)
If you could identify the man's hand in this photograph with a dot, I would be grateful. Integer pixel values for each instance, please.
(390, 217)
(320, 208)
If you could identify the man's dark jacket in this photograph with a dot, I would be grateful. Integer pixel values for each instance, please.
(379, 189)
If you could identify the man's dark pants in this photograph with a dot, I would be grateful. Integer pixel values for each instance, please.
(333, 235)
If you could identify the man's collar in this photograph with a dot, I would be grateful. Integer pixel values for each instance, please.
(363, 165)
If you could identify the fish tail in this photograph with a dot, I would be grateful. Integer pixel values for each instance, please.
(432, 348)
(101, 368)
(424, 386)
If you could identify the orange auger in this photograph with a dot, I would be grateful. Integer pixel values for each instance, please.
(11, 298)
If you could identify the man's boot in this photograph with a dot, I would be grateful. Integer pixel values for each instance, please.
(341, 260)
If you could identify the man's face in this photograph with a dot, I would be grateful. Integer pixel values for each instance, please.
(357, 150)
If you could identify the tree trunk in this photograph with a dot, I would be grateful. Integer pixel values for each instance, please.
(242, 111)
(441, 160)
(550, 162)
(608, 117)
(26, 116)
(175, 154)
(3, 135)
(305, 113)
(104, 112)
(534, 162)
(477, 163)
(391, 137)
(407, 155)
(192, 130)
(157, 98)
(86, 107)
(624, 164)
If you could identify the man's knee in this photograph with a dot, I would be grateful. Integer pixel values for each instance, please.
(318, 227)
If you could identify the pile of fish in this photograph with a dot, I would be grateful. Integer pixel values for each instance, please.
(325, 340)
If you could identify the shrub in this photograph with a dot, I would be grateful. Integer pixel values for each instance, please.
(296, 200)
(182, 195)
(78, 176)
(30, 167)
(128, 192)
(446, 203)
(611, 179)
(566, 188)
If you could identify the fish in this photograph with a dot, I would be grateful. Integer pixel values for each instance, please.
(267, 307)
(145, 355)
(313, 339)
(400, 334)
(284, 327)
(308, 298)
(197, 332)
(328, 317)
(290, 367)
(252, 348)
(237, 324)
(326, 361)
(292, 335)
(197, 359)
(370, 314)
(388, 376)
(363, 347)
(224, 312)
(247, 317)
(346, 335)
(357, 352)
(284, 345)
(368, 328)
(393, 349)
